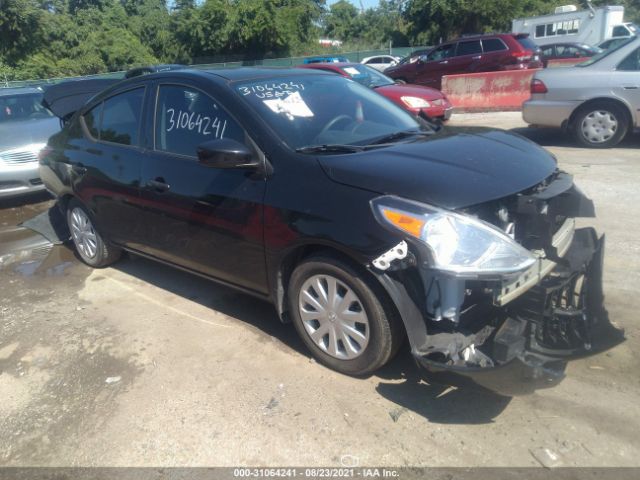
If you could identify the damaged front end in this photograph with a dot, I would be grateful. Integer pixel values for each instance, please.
(480, 311)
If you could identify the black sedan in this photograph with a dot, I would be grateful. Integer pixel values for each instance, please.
(361, 223)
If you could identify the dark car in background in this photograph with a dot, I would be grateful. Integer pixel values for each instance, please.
(25, 127)
(563, 51)
(414, 98)
(481, 53)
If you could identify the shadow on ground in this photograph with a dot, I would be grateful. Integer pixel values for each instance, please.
(439, 404)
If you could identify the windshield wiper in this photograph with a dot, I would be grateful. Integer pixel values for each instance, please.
(392, 137)
(330, 149)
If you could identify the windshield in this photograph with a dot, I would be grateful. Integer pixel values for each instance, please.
(606, 53)
(22, 107)
(310, 110)
(367, 76)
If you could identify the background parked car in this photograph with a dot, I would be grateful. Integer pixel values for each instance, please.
(25, 127)
(380, 62)
(325, 59)
(598, 100)
(557, 51)
(482, 53)
(414, 98)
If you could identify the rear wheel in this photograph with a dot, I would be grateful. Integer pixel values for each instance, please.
(89, 244)
(600, 125)
(342, 316)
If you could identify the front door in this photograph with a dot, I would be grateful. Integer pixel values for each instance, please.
(432, 67)
(206, 219)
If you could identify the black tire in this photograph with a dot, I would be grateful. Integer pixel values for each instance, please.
(104, 254)
(607, 111)
(384, 325)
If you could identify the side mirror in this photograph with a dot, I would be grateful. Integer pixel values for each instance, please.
(226, 153)
(422, 59)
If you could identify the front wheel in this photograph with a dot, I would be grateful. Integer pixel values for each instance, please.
(600, 125)
(89, 244)
(342, 316)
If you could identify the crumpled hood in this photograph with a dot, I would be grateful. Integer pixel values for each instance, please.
(455, 168)
(25, 132)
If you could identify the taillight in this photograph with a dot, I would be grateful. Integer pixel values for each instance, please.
(538, 86)
(522, 56)
(42, 154)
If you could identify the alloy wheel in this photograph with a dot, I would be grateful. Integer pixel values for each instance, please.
(83, 234)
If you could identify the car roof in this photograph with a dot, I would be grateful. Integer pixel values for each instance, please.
(13, 91)
(240, 74)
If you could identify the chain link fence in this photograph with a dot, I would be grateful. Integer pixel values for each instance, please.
(271, 62)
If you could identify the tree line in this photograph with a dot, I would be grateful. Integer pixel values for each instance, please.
(48, 38)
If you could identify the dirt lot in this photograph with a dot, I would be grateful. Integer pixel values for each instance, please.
(141, 364)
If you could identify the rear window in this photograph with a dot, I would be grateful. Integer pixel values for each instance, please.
(493, 45)
(527, 43)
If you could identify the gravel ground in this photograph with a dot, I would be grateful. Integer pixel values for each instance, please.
(143, 365)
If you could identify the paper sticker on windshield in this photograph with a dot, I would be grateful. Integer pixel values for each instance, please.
(292, 106)
(271, 89)
(352, 71)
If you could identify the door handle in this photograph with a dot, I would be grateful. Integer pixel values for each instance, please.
(444, 62)
(158, 185)
(477, 57)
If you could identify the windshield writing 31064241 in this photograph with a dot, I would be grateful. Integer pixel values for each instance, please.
(195, 121)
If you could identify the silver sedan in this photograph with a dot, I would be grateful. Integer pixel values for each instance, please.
(598, 100)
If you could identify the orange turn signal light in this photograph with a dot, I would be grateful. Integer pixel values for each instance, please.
(407, 223)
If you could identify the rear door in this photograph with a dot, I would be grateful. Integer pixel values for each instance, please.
(493, 51)
(206, 219)
(468, 57)
(105, 158)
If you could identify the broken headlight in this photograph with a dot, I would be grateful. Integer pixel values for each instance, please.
(458, 244)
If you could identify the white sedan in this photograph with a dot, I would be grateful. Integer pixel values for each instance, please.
(380, 62)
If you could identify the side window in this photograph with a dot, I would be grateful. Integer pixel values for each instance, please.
(493, 45)
(186, 117)
(631, 63)
(92, 120)
(121, 117)
(547, 51)
(472, 47)
(620, 31)
(540, 30)
(440, 53)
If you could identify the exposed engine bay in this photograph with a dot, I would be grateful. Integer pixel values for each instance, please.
(552, 310)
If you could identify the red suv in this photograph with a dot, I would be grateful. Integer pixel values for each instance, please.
(481, 53)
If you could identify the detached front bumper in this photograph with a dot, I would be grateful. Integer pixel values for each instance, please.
(559, 319)
(524, 345)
